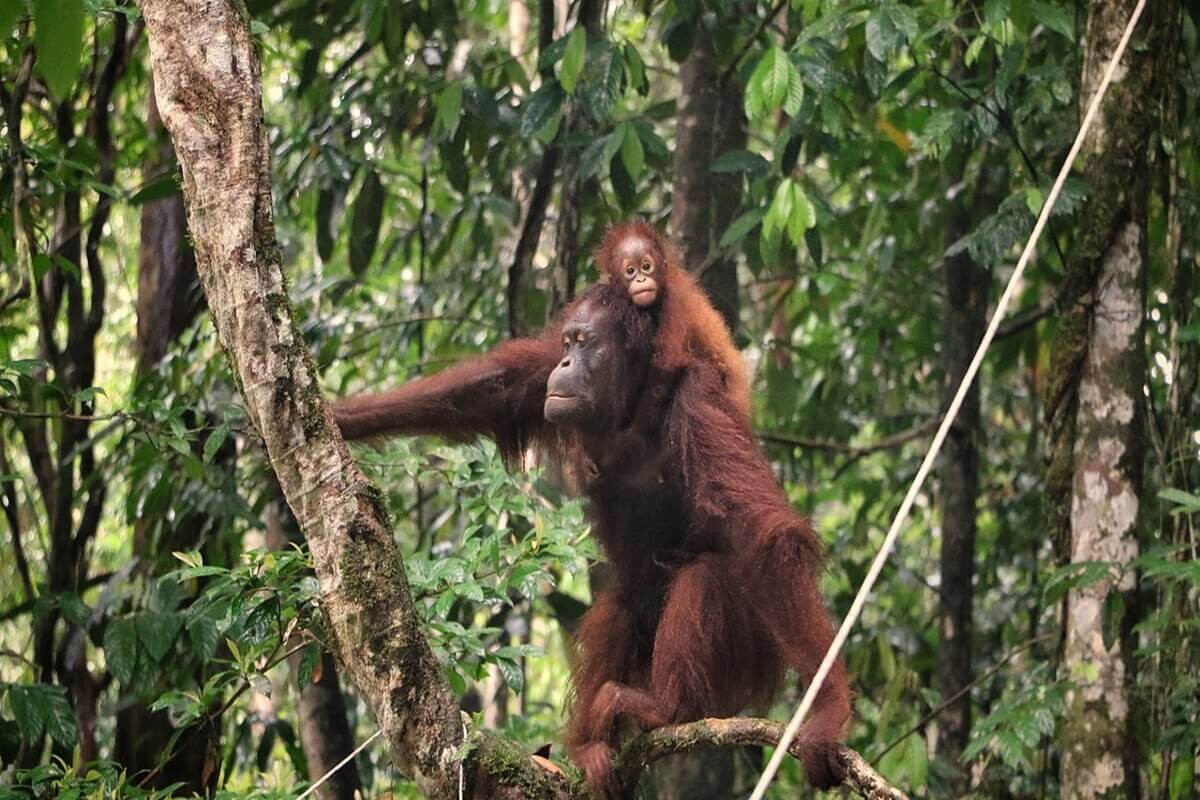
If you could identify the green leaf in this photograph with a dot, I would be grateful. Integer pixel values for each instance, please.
(740, 228)
(573, 59)
(769, 83)
(1034, 200)
(309, 658)
(1055, 18)
(58, 36)
(1182, 778)
(29, 712)
(1187, 502)
(780, 211)
(512, 674)
(166, 186)
(602, 81)
(365, 221)
(60, 719)
(795, 91)
(157, 631)
(632, 153)
(635, 68)
(812, 239)
(121, 648)
(204, 635)
(73, 608)
(741, 161)
(1114, 615)
(449, 106)
(883, 37)
(1188, 333)
(803, 217)
(995, 11)
(540, 109)
(214, 441)
(623, 185)
(904, 20)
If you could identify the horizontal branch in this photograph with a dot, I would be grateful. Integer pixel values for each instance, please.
(649, 747)
(849, 448)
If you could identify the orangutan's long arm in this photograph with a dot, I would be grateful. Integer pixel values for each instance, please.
(499, 394)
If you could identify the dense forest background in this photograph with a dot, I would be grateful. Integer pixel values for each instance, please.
(852, 182)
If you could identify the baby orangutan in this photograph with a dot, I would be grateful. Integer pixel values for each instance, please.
(634, 255)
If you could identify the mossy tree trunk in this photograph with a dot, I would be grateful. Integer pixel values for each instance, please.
(1096, 404)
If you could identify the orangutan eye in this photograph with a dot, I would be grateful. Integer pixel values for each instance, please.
(630, 270)
(579, 337)
(566, 342)
(647, 267)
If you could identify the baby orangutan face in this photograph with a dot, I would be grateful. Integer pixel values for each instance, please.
(639, 262)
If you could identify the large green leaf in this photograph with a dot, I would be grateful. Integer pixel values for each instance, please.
(121, 648)
(157, 631)
(573, 59)
(632, 153)
(774, 82)
(540, 109)
(365, 221)
(58, 35)
(603, 80)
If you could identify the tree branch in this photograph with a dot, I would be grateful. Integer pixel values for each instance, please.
(849, 448)
(641, 751)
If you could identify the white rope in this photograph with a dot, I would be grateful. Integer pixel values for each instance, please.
(901, 516)
(340, 764)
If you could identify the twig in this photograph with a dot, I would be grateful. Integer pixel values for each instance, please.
(937, 710)
(849, 448)
(746, 45)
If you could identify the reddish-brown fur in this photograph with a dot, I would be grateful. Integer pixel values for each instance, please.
(715, 587)
(689, 328)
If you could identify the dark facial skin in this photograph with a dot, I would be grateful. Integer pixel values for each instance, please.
(590, 367)
(641, 265)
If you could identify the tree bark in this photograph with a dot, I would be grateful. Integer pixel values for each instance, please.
(964, 317)
(1096, 406)
(708, 121)
(168, 295)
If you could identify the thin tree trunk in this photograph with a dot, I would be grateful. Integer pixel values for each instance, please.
(167, 302)
(964, 315)
(1097, 408)
(709, 121)
(567, 243)
(703, 204)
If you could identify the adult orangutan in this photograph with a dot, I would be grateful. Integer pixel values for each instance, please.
(634, 255)
(715, 576)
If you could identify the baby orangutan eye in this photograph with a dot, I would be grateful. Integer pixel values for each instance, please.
(630, 270)
(647, 266)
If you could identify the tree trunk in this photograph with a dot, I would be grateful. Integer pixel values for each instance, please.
(703, 204)
(964, 317)
(1096, 406)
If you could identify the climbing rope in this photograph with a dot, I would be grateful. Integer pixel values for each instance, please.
(905, 507)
